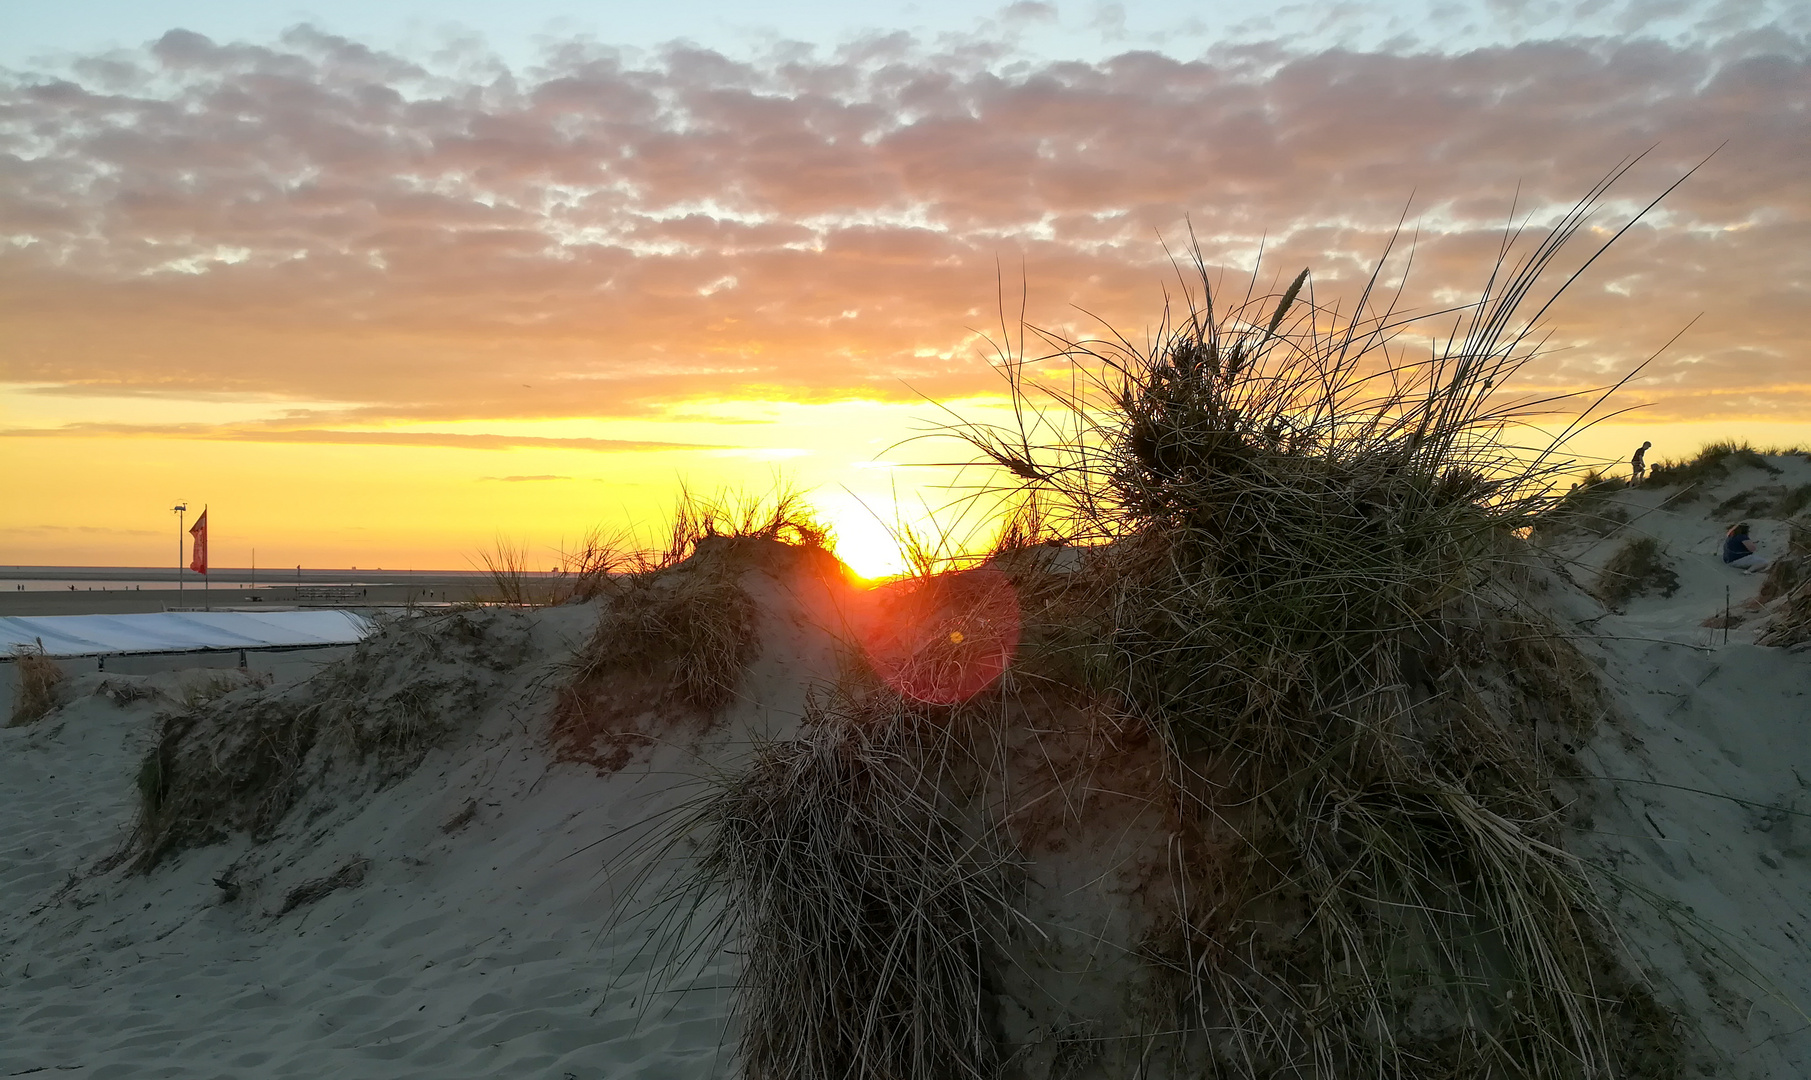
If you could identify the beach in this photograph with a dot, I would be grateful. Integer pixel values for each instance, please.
(489, 904)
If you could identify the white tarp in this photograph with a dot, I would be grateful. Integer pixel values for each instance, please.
(179, 631)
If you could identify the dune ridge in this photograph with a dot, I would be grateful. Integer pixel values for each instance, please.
(494, 907)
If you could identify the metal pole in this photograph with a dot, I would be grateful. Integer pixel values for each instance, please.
(179, 508)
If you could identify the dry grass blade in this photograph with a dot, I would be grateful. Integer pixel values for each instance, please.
(38, 677)
(864, 902)
(1634, 569)
(1289, 510)
(677, 629)
(240, 761)
(511, 579)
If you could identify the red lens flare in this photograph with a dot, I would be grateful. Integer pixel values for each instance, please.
(944, 639)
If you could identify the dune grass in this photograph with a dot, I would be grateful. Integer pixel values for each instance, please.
(1585, 507)
(587, 569)
(1636, 568)
(677, 629)
(239, 760)
(1286, 550)
(35, 691)
(1792, 502)
(865, 901)
(512, 582)
(1289, 508)
(1712, 463)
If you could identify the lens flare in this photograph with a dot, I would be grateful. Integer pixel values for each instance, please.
(942, 640)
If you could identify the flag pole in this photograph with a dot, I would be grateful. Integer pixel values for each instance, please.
(179, 508)
(206, 584)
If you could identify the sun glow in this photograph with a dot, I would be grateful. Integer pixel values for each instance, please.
(867, 548)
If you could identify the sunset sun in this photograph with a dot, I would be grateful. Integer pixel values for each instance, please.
(1041, 540)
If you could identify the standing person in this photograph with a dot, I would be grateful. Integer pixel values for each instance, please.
(1741, 552)
(1639, 463)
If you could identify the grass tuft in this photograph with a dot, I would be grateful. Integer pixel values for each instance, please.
(39, 678)
(865, 902)
(1712, 463)
(242, 760)
(1636, 568)
(511, 579)
(1277, 554)
(677, 629)
(1294, 516)
(1793, 501)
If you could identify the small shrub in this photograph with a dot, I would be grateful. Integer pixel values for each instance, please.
(1637, 568)
(39, 679)
(866, 909)
(678, 638)
(507, 564)
(241, 761)
(1792, 501)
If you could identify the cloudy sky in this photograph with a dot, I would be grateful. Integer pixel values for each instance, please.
(378, 284)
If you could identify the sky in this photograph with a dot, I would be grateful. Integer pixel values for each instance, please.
(380, 283)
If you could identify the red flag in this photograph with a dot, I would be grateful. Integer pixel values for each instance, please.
(199, 559)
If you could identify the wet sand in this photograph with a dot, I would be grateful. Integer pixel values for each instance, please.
(123, 602)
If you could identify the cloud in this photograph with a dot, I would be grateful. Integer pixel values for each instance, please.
(453, 440)
(79, 530)
(312, 219)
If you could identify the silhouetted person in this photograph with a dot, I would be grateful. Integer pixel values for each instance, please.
(1741, 552)
(1638, 464)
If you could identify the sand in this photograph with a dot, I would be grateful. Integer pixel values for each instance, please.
(1728, 718)
(492, 934)
(125, 601)
(485, 940)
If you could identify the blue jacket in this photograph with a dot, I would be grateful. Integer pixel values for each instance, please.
(1734, 547)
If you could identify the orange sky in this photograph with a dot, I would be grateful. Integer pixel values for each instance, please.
(376, 310)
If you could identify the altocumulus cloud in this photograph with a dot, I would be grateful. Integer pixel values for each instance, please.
(605, 236)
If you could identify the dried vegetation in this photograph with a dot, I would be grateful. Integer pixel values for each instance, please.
(677, 629)
(1283, 557)
(864, 895)
(242, 760)
(37, 681)
(1636, 568)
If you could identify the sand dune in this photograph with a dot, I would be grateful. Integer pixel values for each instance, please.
(471, 915)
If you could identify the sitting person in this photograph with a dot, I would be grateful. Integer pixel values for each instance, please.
(1741, 552)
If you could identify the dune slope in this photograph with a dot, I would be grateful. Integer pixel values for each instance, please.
(475, 912)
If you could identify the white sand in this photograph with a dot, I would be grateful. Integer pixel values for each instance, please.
(489, 951)
(495, 950)
(1731, 718)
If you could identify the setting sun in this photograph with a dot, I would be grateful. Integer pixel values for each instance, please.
(1043, 540)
